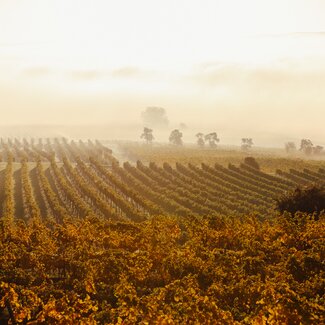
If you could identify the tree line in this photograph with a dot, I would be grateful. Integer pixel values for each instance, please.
(211, 140)
(306, 146)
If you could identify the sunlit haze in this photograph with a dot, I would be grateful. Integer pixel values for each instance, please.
(241, 68)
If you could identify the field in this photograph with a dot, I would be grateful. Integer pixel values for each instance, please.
(174, 235)
(269, 159)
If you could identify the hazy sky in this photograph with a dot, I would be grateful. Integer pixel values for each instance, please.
(253, 64)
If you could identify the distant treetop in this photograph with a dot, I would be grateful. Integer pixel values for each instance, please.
(176, 138)
(246, 143)
(155, 117)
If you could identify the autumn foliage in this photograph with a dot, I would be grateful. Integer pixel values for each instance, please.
(164, 271)
(85, 240)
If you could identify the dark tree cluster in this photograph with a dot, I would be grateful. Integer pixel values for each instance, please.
(310, 199)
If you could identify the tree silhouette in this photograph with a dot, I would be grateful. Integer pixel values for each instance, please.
(176, 137)
(306, 146)
(310, 199)
(147, 135)
(212, 138)
(246, 143)
(200, 139)
(290, 146)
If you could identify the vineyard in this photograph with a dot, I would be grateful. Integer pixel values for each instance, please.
(86, 239)
(269, 159)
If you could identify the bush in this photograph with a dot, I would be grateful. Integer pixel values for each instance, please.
(250, 161)
(310, 199)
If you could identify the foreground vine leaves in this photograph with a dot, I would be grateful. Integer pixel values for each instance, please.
(168, 270)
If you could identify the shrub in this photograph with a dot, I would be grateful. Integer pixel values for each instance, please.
(250, 161)
(310, 199)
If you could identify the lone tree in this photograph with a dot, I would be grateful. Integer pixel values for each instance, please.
(147, 135)
(306, 146)
(200, 139)
(213, 139)
(290, 146)
(176, 137)
(310, 199)
(246, 143)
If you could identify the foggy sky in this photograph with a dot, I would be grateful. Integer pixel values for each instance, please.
(260, 72)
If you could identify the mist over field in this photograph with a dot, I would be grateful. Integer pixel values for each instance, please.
(131, 132)
(162, 162)
(272, 104)
(91, 71)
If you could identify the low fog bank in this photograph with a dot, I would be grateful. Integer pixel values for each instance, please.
(132, 132)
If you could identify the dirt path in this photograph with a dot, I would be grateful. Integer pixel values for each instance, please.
(18, 194)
